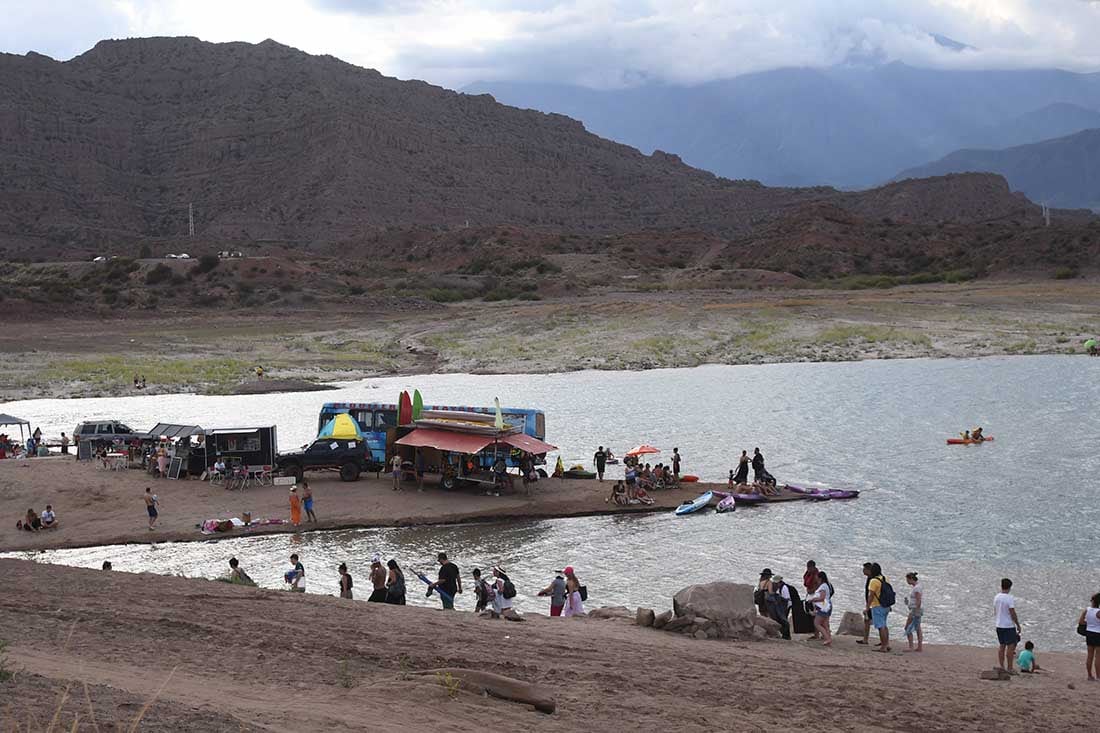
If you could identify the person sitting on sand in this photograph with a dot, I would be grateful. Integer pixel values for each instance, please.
(48, 518)
(237, 574)
(1026, 659)
(618, 494)
(501, 604)
(296, 576)
(30, 522)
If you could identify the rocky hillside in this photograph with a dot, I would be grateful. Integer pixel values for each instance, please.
(279, 149)
(1064, 172)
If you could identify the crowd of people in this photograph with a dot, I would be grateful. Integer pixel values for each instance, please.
(33, 447)
(781, 602)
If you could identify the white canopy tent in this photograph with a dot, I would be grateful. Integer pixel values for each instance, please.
(13, 420)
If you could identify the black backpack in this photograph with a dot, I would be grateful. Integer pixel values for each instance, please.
(886, 595)
(508, 590)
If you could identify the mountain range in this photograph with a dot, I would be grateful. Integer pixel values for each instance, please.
(850, 126)
(1064, 172)
(268, 144)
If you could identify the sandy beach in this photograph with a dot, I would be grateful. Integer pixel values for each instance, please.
(100, 507)
(219, 657)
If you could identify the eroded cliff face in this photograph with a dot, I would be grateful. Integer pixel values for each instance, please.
(274, 145)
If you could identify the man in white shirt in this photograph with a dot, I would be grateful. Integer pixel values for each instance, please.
(1008, 626)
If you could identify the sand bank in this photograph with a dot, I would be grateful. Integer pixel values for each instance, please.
(221, 657)
(99, 507)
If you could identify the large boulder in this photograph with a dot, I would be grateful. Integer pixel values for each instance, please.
(644, 617)
(770, 627)
(716, 601)
(851, 624)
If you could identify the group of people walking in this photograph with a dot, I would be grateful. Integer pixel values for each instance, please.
(493, 594)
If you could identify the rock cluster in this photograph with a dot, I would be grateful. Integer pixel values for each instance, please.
(712, 611)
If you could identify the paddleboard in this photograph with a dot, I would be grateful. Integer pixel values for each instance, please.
(442, 594)
(695, 504)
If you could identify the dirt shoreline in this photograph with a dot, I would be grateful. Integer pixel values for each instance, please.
(605, 331)
(98, 507)
(212, 656)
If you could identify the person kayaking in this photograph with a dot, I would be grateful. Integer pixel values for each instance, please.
(742, 475)
(976, 435)
(965, 435)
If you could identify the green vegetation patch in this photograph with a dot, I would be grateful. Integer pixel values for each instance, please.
(116, 371)
(845, 334)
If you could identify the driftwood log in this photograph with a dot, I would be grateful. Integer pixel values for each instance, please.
(498, 686)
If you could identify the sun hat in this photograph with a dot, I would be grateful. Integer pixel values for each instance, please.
(766, 573)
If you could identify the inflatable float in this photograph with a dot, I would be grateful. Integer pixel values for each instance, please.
(689, 479)
(823, 494)
(700, 502)
(968, 441)
(726, 502)
(578, 473)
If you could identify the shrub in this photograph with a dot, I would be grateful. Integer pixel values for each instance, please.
(1065, 273)
(206, 264)
(158, 274)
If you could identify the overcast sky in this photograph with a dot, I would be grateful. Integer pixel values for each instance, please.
(592, 42)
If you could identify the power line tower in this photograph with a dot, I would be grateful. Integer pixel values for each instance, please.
(190, 220)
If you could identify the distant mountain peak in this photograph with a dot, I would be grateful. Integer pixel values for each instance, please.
(950, 43)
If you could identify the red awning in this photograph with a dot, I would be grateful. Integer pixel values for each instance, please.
(526, 443)
(446, 440)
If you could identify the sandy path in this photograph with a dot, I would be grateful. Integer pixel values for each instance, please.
(98, 507)
(280, 661)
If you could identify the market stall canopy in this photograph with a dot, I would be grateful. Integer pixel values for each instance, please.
(341, 427)
(446, 440)
(13, 420)
(527, 443)
(168, 430)
(643, 450)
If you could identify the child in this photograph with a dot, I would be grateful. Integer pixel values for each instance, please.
(481, 591)
(1026, 659)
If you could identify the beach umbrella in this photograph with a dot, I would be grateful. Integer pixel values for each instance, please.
(341, 427)
(643, 450)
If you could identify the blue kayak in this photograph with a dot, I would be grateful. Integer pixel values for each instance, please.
(699, 502)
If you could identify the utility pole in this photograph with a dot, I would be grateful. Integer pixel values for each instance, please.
(190, 220)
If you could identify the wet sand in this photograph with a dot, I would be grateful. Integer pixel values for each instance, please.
(100, 507)
(212, 656)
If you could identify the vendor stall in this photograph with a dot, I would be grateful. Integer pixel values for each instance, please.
(8, 447)
(251, 448)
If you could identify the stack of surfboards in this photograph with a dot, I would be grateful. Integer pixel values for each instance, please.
(464, 422)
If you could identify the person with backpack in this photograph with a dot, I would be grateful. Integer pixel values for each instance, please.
(778, 600)
(395, 584)
(574, 594)
(505, 592)
(880, 599)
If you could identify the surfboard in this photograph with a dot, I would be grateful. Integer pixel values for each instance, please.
(418, 404)
(404, 409)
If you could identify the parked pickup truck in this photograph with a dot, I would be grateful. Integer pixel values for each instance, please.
(350, 457)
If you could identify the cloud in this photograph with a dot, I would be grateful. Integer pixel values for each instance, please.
(600, 43)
